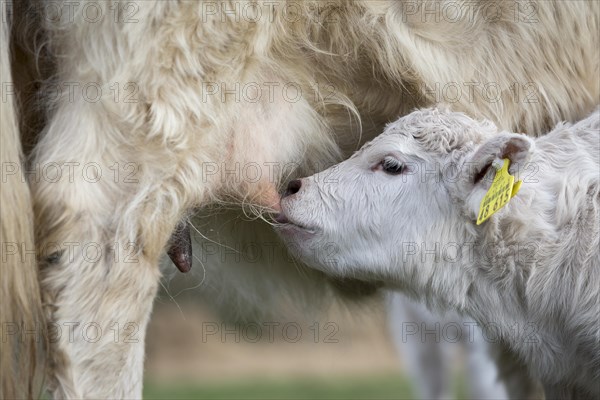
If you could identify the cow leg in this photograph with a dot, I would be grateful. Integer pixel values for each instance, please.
(103, 219)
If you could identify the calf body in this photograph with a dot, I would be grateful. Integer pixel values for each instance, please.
(403, 211)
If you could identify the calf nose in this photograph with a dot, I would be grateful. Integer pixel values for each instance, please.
(293, 187)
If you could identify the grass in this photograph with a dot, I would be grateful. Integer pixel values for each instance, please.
(384, 387)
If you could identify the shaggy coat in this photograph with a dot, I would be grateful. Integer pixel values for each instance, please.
(146, 99)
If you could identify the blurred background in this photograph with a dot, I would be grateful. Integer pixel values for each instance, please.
(191, 352)
(346, 353)
(206, 339)
(206, 342)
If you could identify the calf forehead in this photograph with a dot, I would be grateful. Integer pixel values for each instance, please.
(430, 132)
(389, 142)
(383, 145)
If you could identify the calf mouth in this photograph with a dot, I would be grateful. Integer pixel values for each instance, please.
(348, 288)
(285, 224)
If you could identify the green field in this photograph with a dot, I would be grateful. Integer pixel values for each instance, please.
(389, 387)
(370, 388)
(386, 388)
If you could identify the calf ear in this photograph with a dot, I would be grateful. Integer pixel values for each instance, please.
(517, 148)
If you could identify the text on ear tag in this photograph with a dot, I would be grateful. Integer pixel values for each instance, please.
(499, 194)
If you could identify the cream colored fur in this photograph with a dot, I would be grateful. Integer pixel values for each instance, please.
(22, 345)
(358, 64)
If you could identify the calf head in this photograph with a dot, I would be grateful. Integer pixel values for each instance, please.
(420, 181)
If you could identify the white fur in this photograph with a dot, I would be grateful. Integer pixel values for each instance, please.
(359, 65)
(532, 269)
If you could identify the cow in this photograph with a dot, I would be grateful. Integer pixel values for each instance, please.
(129, 116)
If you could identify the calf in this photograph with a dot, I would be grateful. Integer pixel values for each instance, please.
(407, 209)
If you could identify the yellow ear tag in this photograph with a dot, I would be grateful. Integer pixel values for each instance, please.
(502, 190)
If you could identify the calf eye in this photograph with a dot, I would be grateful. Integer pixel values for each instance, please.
(392, 166)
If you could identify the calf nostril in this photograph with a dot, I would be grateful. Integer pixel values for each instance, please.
(293, 187)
